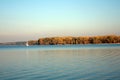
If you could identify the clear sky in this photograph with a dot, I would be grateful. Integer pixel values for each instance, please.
(22, 20)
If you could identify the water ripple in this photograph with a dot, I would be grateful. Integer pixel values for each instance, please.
(73, 63)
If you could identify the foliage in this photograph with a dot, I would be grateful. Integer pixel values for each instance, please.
(33, 42)
(77, 40)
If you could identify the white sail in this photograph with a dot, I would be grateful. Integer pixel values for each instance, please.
(27, 44)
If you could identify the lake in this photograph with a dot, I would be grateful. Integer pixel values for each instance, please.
(60, 62)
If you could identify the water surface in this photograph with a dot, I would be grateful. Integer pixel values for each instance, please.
(60, 62)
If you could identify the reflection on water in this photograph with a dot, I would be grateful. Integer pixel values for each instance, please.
(68, 63)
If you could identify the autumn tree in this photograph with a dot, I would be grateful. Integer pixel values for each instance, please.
(77, 40)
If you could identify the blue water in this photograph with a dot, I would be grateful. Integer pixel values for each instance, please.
(60, 62)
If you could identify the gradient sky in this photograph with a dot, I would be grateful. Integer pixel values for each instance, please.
(22, 20)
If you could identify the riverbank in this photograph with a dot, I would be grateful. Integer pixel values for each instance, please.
(107, 39)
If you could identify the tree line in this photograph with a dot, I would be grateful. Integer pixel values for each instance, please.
(76, 40)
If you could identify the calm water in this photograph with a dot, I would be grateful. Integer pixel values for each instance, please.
(66, 62)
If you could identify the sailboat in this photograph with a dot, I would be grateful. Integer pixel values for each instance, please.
(27, 44)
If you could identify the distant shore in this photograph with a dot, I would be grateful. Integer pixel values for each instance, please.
(13, 43)
(107, 39)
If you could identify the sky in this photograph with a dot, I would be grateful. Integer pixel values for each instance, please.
(22, 20)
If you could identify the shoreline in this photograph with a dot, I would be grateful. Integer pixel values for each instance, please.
(60, 44)
(106, 39)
